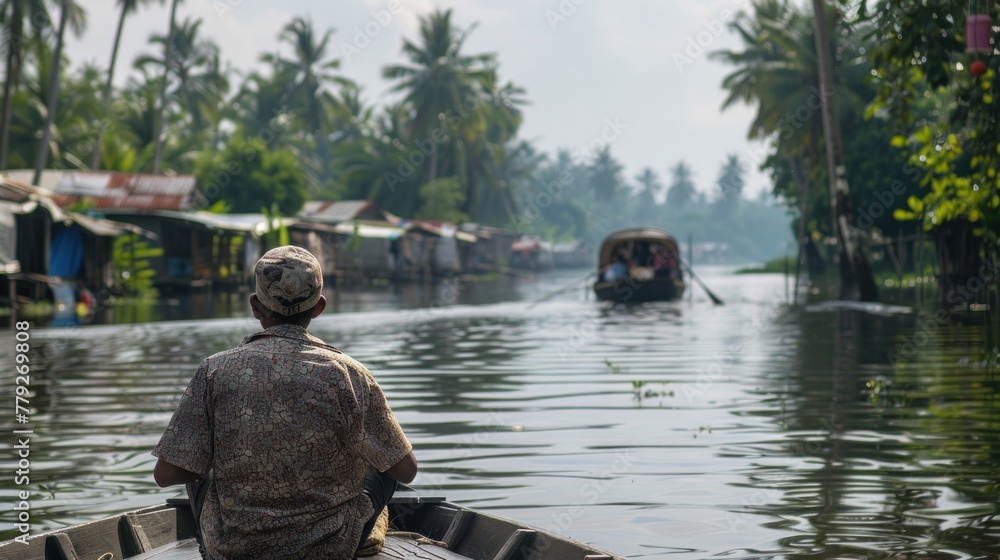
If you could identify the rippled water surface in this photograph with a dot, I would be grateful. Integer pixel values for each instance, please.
(668, 430)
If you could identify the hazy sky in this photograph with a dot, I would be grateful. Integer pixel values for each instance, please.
(635, 68)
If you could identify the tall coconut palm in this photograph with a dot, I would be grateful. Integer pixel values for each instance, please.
(731, 182)
(197, 81)
(70, 13)
(440, 79)
(644, 200)
(167, 57)
(605, 176)
(126, 7)
(307, 74)
(261, 108)
(481, 152)
(681, 191)
(16, 16)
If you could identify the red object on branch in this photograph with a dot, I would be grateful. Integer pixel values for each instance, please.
(977, 33)
(978, 68)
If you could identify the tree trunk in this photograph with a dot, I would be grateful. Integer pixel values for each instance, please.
(95, 158)
(11, 77)
(8, 104)
(856, 279)
(53, 98)
(959, 255)
(167, 56)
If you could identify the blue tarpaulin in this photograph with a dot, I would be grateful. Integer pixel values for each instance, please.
(66, 252)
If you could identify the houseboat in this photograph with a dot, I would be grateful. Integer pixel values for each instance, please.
(639, 264)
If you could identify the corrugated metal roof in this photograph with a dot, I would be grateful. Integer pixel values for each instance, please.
(370, 231)
(254, 224)
(15, 191)
(106, 228)
(120, 190)
(333, 211)
(24, 199)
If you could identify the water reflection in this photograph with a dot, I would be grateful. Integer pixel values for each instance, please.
(759, 431)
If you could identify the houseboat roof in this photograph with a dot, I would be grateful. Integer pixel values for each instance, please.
(337, 211)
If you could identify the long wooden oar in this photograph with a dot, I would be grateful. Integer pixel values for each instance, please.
(715, 299)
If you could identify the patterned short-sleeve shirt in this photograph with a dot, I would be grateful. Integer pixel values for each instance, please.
(289, 427)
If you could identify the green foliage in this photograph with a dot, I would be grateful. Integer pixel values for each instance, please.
(447, 149)
(247, 176)
(133, 270)
(959, 186)
(947, 122)
(277, 231)
(778, 265)
(442, 199)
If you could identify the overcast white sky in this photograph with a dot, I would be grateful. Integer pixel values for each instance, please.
(584, 63)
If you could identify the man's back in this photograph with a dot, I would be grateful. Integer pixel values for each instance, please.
(290, 426)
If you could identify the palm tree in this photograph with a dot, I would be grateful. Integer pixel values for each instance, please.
(481, 153)
(778, 71)
(197, 83)
(644, 201)
(261, 106)
(127, 7)
(605, 176)
(306, 74)
(440, 79)
(856, 277)
(649, 184)
(70, 13)
(371, 168)
(731, 183)
(16, 16)
(167, 58)
(682, 189)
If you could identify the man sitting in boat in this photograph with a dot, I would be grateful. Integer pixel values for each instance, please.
(616, 270)
(288, 442)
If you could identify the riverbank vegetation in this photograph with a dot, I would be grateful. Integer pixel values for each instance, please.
(919, 131)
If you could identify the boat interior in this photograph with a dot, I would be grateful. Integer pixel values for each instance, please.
(428, 528)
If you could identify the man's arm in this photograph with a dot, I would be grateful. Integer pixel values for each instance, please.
(405, 470)
(167, 474)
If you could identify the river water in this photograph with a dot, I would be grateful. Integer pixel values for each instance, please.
(669, 430)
